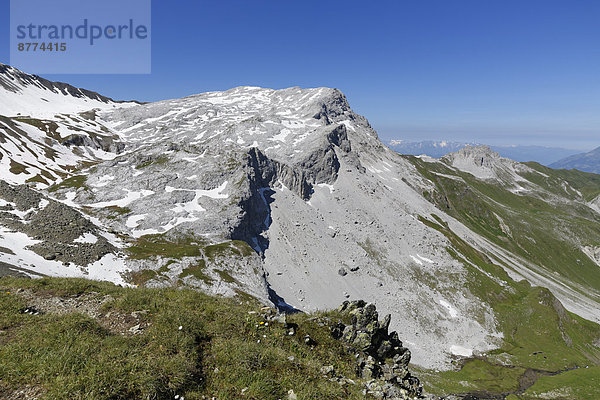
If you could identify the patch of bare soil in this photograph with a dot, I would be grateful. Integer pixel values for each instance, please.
(28, 392)
(89, 304)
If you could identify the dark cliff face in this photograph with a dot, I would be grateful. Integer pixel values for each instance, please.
(319, 166)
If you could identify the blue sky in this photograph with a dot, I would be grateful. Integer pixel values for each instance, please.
(501, 72)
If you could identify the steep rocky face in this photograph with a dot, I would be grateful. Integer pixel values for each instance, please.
(225, 139)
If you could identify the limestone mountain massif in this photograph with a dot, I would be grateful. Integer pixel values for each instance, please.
(290, 197)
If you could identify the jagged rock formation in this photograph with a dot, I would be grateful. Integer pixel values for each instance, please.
(381, 358)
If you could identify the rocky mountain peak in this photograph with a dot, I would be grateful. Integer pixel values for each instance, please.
(482, 162)
(481, 155)
(285, 124)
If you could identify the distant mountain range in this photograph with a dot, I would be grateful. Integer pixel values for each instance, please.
(588, 162)
(436, 149)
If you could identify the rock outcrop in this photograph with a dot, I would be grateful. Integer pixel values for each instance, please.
(381, 358)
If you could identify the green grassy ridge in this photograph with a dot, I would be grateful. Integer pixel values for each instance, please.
(475, 375)
(175, 249)
(588, 184)
(538, 332)
(531, 318)
(223, 347)
(148, 246)
(198, 272)
(542, 233)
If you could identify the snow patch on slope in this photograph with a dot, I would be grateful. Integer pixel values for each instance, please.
(109, 268)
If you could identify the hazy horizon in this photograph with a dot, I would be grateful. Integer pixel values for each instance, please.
(518, 139)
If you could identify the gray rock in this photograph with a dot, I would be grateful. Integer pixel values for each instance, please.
(381, 358)
(309, 341)
(328, 370)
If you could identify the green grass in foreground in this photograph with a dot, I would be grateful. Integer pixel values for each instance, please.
(583, 384)
(221, 349)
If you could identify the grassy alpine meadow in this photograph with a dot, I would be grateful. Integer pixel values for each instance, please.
(128, 343)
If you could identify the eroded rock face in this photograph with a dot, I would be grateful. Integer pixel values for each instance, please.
(381, 358)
